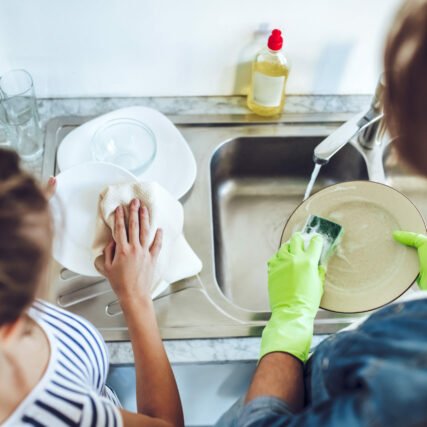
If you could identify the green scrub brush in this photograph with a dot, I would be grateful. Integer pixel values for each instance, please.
(330, 231)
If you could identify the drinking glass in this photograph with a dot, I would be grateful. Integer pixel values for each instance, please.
(4, 133)
(20, 114)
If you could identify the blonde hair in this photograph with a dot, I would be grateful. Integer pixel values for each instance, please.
(22, 255)
(405, 96)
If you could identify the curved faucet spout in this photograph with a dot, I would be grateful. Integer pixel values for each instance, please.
(344, 134)
(364, 125)
(334, 142)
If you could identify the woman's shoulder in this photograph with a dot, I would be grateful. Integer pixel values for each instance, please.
(72, 389)
(56, 405)
(78, 342)
(50, 313)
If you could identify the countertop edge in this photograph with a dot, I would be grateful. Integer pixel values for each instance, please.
(200, 351)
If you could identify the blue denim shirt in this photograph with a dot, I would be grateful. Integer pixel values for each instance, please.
(375, 375)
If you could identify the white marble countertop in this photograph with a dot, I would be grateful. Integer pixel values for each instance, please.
(214, 350)
(54, 107)
(198, 350)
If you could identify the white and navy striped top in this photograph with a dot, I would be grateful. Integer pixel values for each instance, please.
(72, 391)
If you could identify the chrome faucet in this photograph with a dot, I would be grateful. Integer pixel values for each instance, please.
(364, 129)
(371, 125)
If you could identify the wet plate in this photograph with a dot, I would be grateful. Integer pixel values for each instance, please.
(369, 268)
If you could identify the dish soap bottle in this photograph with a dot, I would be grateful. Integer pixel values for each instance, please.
(270, 72)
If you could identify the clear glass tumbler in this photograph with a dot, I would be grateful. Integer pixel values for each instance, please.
(20, 114)
(4, 133)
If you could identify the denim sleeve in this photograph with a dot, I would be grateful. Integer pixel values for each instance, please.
(352, 411)
(264, 411)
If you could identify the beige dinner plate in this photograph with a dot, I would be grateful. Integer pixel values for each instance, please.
(369, 268)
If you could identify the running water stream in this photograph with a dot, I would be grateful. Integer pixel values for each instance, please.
(314, 174)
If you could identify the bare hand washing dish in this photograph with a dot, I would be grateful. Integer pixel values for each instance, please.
(270, 72)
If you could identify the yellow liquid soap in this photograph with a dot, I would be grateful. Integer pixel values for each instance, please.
(270, 73)
(262, 104)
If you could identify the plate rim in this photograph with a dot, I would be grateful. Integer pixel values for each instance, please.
(364, 182)
(85, 164)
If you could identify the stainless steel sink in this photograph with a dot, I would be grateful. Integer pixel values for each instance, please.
(256, 184)
(252, 173)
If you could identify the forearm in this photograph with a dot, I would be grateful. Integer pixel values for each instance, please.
(295, 287)
(279, 375)
(284, 348)
(156, 389)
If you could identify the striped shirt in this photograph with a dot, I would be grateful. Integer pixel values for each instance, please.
(72, 391)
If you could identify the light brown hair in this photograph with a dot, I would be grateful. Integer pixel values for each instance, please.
(405, 96)
(24, 237)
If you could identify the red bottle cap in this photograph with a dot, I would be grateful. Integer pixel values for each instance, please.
(275, 41)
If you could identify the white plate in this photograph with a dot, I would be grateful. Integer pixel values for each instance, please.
(74, 209)
(174, 166)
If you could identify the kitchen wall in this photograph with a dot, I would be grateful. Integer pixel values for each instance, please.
(190, 47)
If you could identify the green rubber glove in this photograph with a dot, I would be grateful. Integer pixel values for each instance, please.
(418, 241)
(295, 288)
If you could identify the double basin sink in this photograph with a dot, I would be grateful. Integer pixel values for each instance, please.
(252, 174)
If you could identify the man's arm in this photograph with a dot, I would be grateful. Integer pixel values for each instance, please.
(279, 375)
(295, 287)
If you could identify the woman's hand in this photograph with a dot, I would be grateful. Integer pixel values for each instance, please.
(130, 261)
(418, 241)
(129, 266)
(50, 188)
